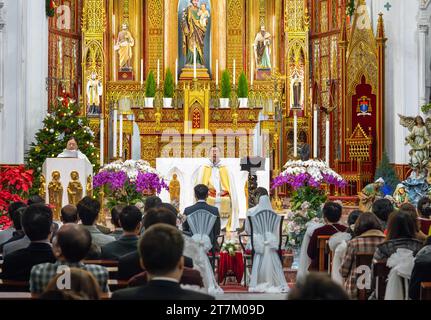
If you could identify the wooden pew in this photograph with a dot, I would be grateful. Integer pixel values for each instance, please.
(115, 285)
(111, 265)
(381, 272)
(322, 246)
(364, 259)
(14, 286)
(425, 291)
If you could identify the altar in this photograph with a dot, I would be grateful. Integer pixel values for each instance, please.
(187, 171)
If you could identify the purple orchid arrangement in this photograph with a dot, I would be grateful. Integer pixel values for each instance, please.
(128, 182)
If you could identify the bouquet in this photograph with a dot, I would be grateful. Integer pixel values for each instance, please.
(129, 182)
(229, 247)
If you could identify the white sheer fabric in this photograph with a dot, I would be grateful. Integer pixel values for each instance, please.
(267, 272)
(201, 223)
(401, 264)
(338, 245)
(304, 260)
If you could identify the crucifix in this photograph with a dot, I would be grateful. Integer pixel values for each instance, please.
(388, 6)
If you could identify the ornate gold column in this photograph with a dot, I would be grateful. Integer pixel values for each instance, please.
(235, 35)
(154, 35)
(170, 34)
(218, 34)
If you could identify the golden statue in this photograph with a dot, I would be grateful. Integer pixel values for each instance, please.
(55, 192)
(89, 187)
(124, 45)
(42, 187)
(74, 189)
(174, 191)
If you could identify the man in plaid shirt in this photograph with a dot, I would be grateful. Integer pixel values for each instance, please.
(70, 247)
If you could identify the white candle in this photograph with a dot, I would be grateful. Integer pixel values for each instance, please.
(234, 72)
(251, 70)
(114, 71)
(194, 63)
(102, 140)
(142, 72)
(217, 72)
(327, 141)
(121, 136)
(295, 134)
(176, 72)
(158, 73)
(315, 132)
(114, 134)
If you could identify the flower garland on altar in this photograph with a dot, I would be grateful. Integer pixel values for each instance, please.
(129, 182)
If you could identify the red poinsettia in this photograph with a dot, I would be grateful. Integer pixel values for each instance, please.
(14, 185)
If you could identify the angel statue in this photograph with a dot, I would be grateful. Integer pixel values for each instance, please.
(419, 141)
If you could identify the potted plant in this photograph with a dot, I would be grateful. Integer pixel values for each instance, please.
(242, 91)
(150, 91)
(168, 91)
(225, 90)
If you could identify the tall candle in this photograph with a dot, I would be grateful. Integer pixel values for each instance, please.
(327, 141)
(295, 134)
(114, 134)
(315, 132)
(234, 71)
(142, 72)
(102, 140)
(158, 73)
(114, 58)
(217, 72)
(194, 63)
(176, 72)
(121, 136)
(251, 70)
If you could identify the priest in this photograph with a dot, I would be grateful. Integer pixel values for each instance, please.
(217, 177)
(72, 151)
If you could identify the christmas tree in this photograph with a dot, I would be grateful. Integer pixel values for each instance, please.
(58, 128)
(387, 172)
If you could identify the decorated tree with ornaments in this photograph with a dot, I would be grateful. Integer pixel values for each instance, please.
(59, 126)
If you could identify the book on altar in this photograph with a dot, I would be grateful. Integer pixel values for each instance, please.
(68, 154)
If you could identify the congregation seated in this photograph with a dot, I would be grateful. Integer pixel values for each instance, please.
(17, 233)
(421, 270)
(382, 208)
(83, 286)
(368, 233)
(317, 286)
(130, 220)
(70, 247)
(408, 207)
(424, 210)
(129, 264)
(161, 254)
(88, 212)
(201, 194)
(115, 220)
(36, 221)
(332, 214)
(6, 234)
(401, 234)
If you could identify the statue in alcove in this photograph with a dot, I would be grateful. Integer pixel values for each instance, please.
(262, 49)
(124, 45)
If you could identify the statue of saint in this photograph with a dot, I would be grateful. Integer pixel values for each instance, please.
(369, 194)
(55, 192)
(42, 187)
(262, 49)
(74, 189)
(174, 191)
(400, 195)
(89, 187)
(124, 45)
(194, 23)
(94, 92)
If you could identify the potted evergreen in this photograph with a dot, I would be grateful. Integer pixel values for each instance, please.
(150, 91)
(242, 91)
(225, 90)
(168, 91)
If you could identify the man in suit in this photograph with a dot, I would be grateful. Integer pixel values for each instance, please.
(130, 219)
(69, 214)
(19, 240)
(161, 254)
(115, 220)
(201, 194)
(36, 222)
(7, 234)
(88, 212)
(129, 264)
(331, 214)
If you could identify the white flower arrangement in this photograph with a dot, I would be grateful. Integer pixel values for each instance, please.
(131, 167)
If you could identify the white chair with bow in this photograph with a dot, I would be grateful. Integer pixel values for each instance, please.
(267, 271)
(201, 223)
(401, 264)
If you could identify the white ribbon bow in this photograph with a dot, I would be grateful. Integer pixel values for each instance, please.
(203, 241)
(264, 242)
